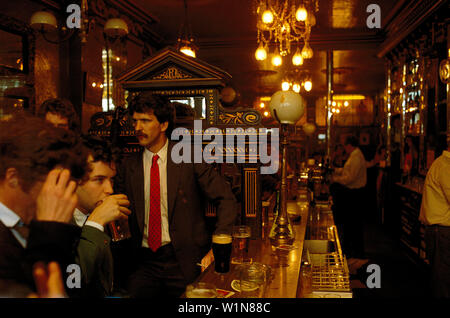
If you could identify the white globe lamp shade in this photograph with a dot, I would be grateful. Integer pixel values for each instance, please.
(287, 106)
(309, 128)
(116, 27)
(43, 20)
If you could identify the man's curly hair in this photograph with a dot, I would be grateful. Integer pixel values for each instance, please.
(61, 107)
(161, 107)
(101, 150)
(34, 147)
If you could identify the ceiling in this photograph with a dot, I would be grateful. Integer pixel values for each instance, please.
(225, 32)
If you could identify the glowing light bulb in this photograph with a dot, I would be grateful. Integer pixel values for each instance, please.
(296, 88)
(297, 59)
(308, 85)
(187, 50)
(276, 59)
(260, 53)
(267, 17)
(307, 52)
(345, 104)
(285, 86)
(301, 14)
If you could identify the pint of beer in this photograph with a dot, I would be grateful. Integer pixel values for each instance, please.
(221, 246)
(241, 239)
(119, 230)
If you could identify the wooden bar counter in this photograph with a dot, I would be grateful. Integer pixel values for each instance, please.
(284, 262)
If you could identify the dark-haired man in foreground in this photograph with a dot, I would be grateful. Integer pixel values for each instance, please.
(39, 166)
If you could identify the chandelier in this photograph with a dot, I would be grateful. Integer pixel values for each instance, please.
(288, 23)
(295, 80)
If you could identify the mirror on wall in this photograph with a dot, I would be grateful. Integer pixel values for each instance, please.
(16, 66)
(13, 57)
(193, 106)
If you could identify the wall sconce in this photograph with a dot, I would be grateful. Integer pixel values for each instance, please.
(45, 23)
(115, 27)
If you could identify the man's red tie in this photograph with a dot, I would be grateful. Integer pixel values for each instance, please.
(154, 218)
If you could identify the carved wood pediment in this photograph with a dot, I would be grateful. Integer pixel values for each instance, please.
(167, 67)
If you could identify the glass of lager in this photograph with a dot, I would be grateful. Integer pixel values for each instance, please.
(221, 246)
(241, 240)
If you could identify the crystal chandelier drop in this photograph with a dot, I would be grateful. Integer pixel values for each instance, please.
(287, 23)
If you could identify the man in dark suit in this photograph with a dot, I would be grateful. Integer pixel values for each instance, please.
(36, 202)
(168, 226)
(97, 207)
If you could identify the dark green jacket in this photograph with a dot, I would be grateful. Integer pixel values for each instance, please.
(96, 263)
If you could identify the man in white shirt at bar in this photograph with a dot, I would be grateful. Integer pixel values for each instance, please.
(353, 178)
(435, 214)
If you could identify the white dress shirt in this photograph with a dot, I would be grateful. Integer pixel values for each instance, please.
(354, 173)
(10, 219)
(162, 164)
(435, 207)
(81, 220)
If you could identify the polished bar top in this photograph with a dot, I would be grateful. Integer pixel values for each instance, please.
(284, 263)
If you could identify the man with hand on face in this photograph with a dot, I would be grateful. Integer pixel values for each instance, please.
(39, 166)
(98, 206)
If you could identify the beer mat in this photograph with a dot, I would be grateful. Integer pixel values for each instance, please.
(222, 293)
(236, 285)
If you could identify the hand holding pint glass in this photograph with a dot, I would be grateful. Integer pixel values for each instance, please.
(114, 212)
(221, 246)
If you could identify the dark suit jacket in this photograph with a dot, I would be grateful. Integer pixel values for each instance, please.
(189, 187)
(47, 241)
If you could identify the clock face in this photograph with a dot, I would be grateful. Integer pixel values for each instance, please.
(444, 71)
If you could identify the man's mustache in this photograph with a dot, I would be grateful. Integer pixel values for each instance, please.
(140, 134)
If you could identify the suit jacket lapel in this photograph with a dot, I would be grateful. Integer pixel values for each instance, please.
(173, 178)
(8, 238)
(137, 186)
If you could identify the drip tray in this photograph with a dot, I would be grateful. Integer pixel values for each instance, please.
(330, 276)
